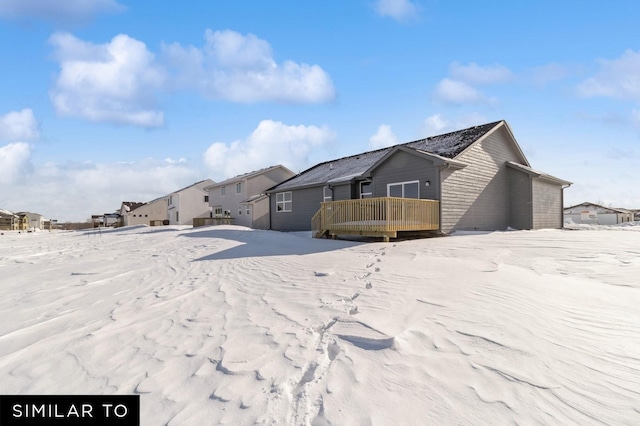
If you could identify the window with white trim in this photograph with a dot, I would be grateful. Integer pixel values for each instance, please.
(217, 212)
(366, 189)
(239, 188)
(284, 201)
(404, 189)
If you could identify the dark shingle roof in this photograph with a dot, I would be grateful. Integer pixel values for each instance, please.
(132, 205)
(448, 145)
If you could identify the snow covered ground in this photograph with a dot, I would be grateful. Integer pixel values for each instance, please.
(225, 325)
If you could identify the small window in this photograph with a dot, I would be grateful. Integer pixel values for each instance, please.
(366, 190)
(170, 199)
(206, 198)
(217, 211)
(248, 211)
(223, 190)
(146, 215)
(239, 211)
(284, 202)
(239, 188)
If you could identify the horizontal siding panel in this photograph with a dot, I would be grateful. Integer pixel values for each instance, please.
(547, 205)
(477, 197)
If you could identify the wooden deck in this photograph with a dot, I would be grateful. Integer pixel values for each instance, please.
(375, 217)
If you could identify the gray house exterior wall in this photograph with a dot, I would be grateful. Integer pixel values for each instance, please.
(547, 205)
(260, 213)
(405, 167)
(520, 200)
(476, 197)
(305, 203)
(480, 176)
(343, 191)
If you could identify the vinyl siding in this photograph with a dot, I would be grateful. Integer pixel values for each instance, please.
(305, 203)
(477, 196)
(520, 206)
(342, 192)
(260, 213)
(547, 205)
(405, 167)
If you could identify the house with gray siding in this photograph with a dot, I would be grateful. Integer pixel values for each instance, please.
(242, 198)
(479, 177)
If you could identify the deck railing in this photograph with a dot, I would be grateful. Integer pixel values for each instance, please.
(382, 215)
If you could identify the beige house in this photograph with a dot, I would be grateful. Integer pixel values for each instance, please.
(126, 208)
(153, 213)
(188, 203)
(242, 198)
(8, 221)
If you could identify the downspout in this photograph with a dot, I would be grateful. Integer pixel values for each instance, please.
(269, 196)
(562, 200)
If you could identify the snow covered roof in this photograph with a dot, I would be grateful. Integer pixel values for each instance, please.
(448, 146)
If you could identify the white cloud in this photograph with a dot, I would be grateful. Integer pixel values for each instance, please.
(457, 92)
(436, 124)
(384, 137)
(460, 88)
(400, 10)
(479, 75)
(97, 187)
(19, 126)
(59, 11)
(114, 82)
(617, 78)
(15, 163)
(241, 68)
(272, 142)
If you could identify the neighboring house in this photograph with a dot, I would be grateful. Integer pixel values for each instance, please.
(8, 221)
(477, 178)
(23, 221)
(36, 221)
(592, 213)
(152, 213)
(243, 197)
(188, 203)
(125, 209)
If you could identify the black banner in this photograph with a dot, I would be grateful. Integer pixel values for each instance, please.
(63, 410)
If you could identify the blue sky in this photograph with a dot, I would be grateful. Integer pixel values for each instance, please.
(104, 101)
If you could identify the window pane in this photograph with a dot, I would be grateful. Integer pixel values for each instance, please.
(287, 196)
(411, 190)
(395, 190)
